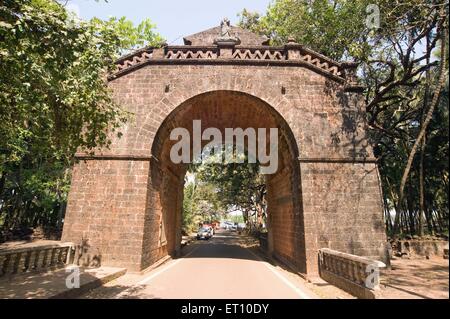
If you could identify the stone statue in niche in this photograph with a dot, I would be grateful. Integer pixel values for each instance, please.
(225, 36)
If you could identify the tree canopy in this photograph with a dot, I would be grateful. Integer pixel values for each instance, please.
(401, 47)
(54, 99)
(226, 188)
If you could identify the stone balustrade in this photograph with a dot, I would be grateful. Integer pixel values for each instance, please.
(418, 247)
(289, 54)
(183, 52)
(259, 54)
(357, 275)
(35, 258)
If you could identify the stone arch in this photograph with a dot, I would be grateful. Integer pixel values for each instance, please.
(219, 109)
(114, 200)
(184, 91)
(173, 111)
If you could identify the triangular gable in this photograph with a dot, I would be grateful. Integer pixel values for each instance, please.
(207, 37)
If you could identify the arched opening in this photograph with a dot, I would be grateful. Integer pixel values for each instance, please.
(222, 110)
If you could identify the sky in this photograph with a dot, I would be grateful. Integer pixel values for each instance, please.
(175, 18)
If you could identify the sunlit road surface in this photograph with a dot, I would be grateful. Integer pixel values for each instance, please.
(218, 268)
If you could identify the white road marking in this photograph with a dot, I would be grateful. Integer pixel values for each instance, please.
(146, 280)
(297, 290)
(301, 293)
(159, 272)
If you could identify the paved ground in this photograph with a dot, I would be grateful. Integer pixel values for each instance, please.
(53, 284)
(221, 267)
(417, 278)
(229, 266)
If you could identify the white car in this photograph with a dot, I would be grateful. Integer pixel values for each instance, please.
(226, 225)
(204, 233)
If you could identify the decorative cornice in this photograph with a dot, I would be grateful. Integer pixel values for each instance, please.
(86, 157)
(89, 157)
(339, 160)
(291, 54)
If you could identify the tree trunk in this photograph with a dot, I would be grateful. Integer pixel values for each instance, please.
(61, 213)
(2, 183)
(428, 117)
(421, 221)
(421, 217)
(387, 215)
(410, 206)
(398, 210)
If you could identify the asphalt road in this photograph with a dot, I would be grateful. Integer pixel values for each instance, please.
(219, 268)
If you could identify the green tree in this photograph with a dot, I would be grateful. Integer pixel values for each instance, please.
(238, 186)
(217, 189)
(54, 100)
(200, 203)
(322, 25)
(405, 88)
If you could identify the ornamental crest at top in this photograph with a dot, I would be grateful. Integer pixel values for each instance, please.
(225, 34)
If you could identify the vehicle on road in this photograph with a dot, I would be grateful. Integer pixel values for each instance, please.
(210, 227)
(204, 233)
(229, 226)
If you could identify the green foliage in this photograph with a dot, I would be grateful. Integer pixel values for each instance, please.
(132, 37)
(399, 65)
(322, 25)
(189, 219)
(54, 100)
(238, 185)
(230, 187)
(200, 204)
(236, 218)
(436, 173)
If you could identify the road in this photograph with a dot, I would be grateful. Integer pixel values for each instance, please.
(219, 268)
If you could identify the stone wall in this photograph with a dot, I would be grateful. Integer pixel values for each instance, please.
(419, 248)
(342, 204)
(325, 121)
(106, 206)
(326, 197)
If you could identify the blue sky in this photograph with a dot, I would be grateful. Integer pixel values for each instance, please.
(174, 18)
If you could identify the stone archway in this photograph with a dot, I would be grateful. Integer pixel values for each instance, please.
(335, 200)
(230, 109)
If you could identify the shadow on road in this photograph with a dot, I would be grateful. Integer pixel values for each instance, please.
(224, 244)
